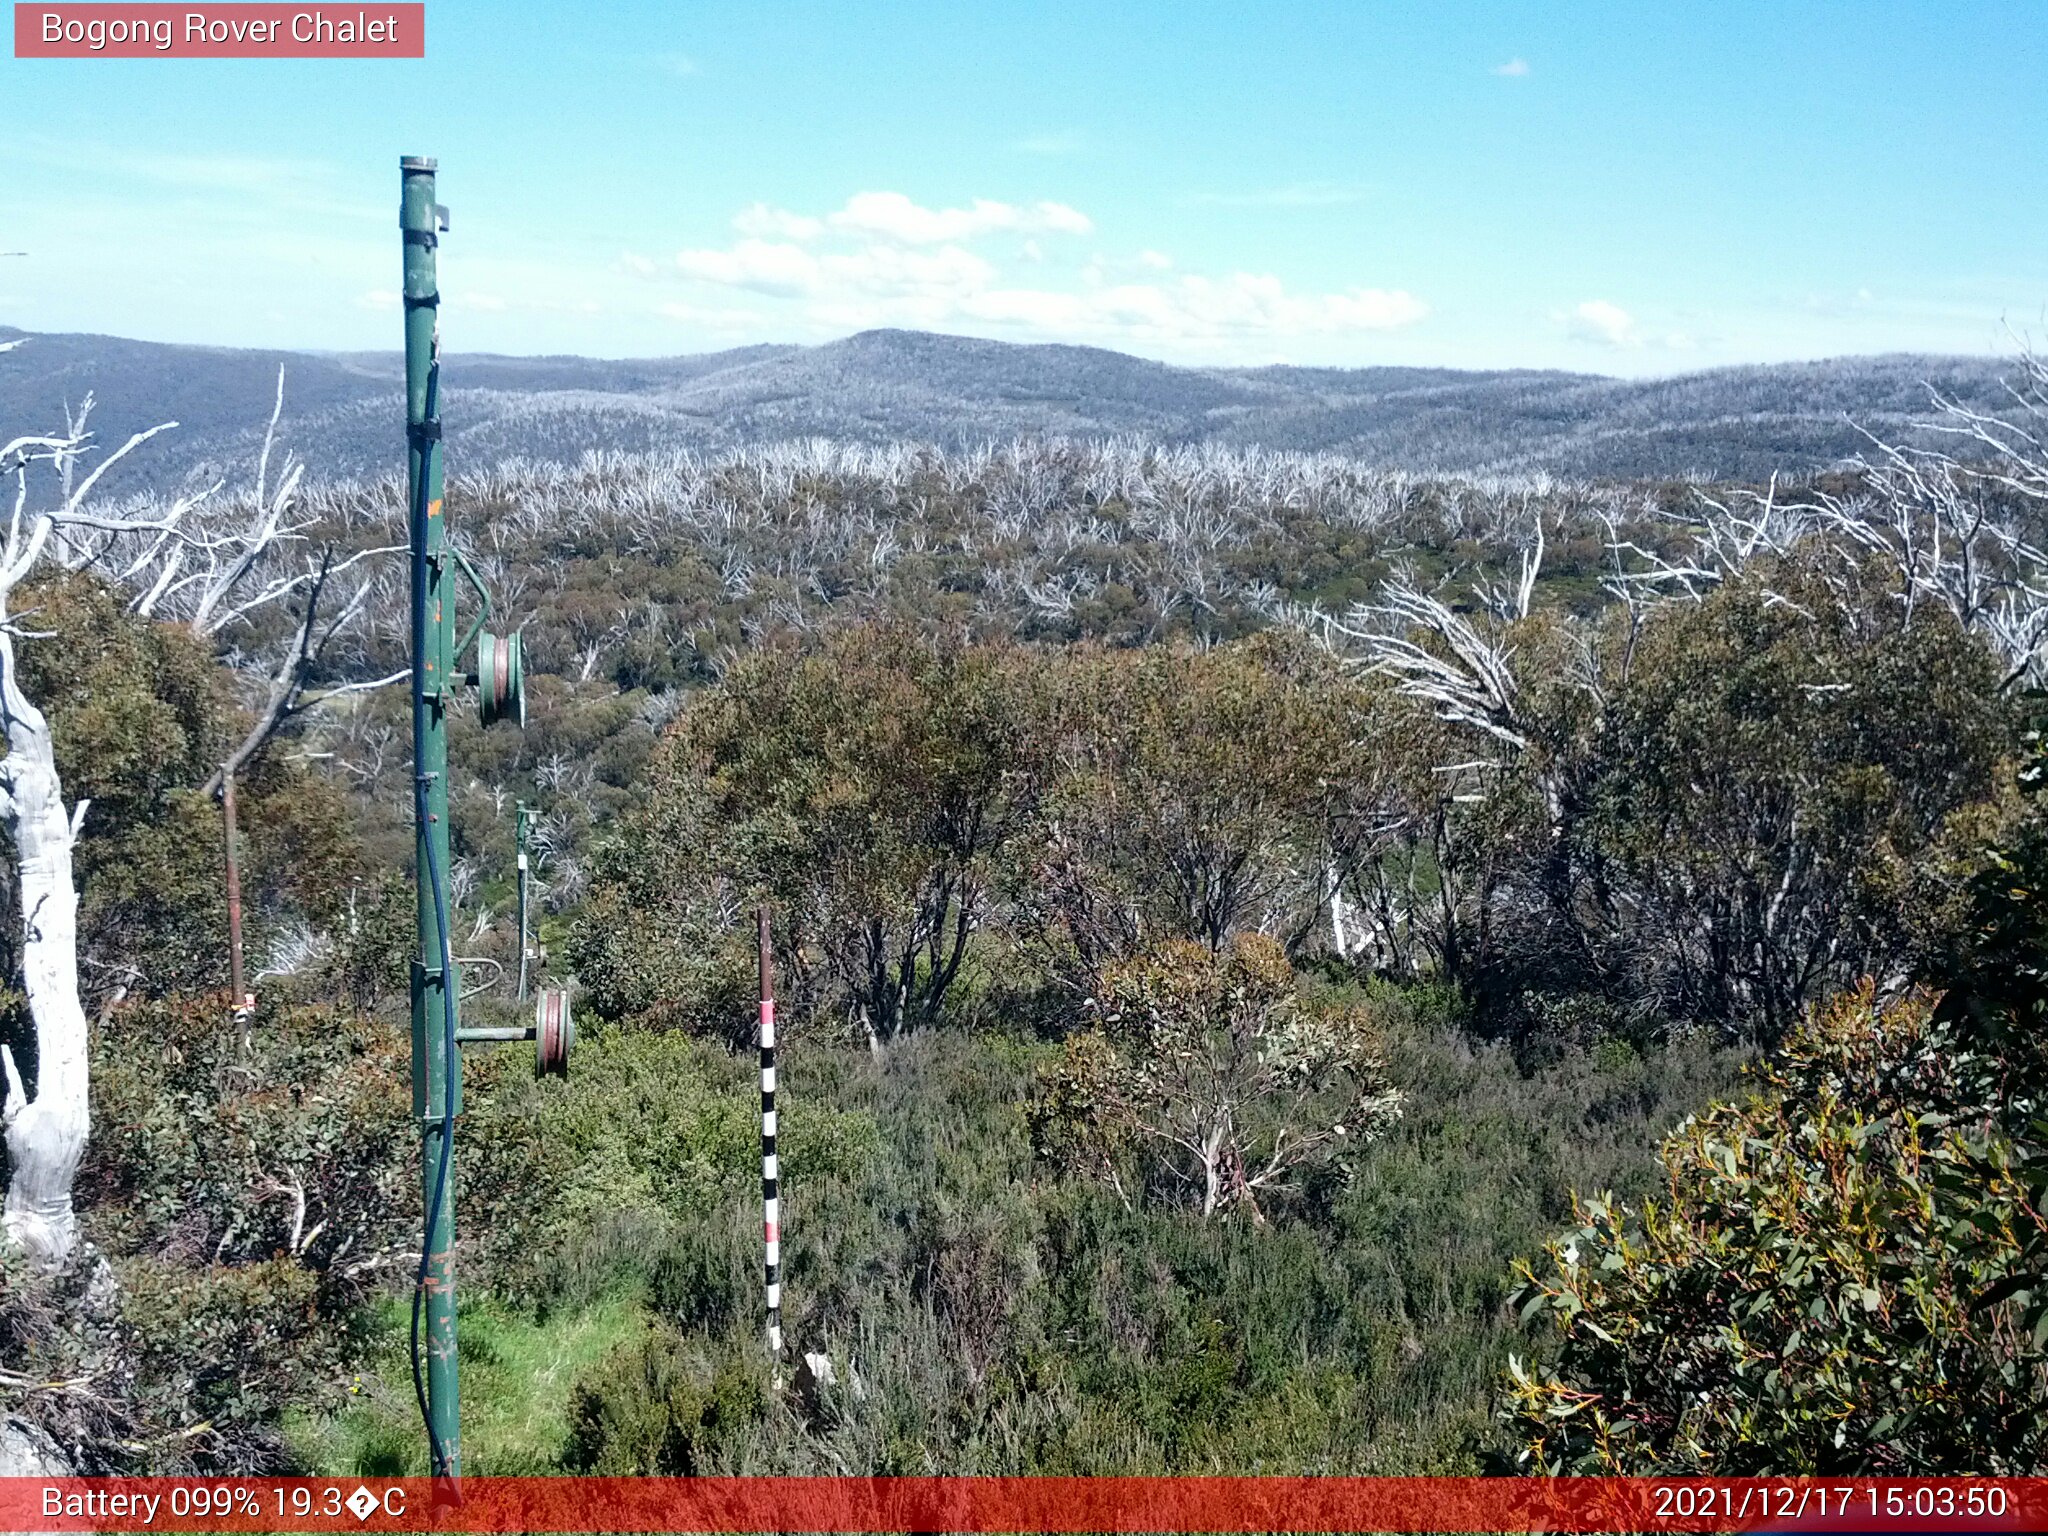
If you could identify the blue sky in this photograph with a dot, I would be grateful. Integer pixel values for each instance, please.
(1640, 189)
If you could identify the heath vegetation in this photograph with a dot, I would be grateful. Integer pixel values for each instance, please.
(1286, 966)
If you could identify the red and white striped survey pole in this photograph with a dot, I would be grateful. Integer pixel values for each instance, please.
(771, 1202)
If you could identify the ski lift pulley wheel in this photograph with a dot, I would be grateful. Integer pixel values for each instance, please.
(554, 1032)
(500, 678)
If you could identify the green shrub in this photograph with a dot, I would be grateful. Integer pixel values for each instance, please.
(648, 1131)
(1848, 1273)
(1216, 1077)
(248, 1199)
(1817, 1292)
(656, 1407)
(140, 716)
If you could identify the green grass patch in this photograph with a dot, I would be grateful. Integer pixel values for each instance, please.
(517, 1375)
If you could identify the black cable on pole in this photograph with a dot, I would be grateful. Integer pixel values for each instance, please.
(437, 1451)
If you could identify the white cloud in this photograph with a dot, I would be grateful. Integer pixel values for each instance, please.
(893, 216)
(762, 265)
(681, 65)
(884, 269)
(884, 260)
(1605, 324)
(1247, 303)
(768, 267)
(760, 219)
(1514, 69)
(1373, 309)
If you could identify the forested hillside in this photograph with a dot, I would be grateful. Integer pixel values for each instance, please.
(1256, 930)
(883, 387)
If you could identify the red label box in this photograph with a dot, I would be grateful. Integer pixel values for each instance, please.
(368, 29)
(984, 1506)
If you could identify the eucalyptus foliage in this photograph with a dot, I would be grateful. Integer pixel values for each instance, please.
(1209, 1078)
(1848, 1272)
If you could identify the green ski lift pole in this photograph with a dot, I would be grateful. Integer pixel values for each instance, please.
(436, 1057)
(500, 681)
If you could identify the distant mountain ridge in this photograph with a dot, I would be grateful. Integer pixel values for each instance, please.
(342, 410)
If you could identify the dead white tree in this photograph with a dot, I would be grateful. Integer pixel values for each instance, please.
(1956, 528)
(46, 1128)
(187, 560)
(1462, 671)
(1961, 529)
(289, 692)
(215, 577)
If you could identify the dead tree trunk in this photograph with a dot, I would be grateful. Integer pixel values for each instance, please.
(46, 1129)
(45, 1133)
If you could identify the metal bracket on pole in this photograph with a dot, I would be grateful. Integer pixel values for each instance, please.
(483, 597)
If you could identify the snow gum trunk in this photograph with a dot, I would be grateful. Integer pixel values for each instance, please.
(46, 1133)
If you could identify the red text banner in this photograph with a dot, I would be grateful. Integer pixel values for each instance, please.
(990, 1504)
(237, 31)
